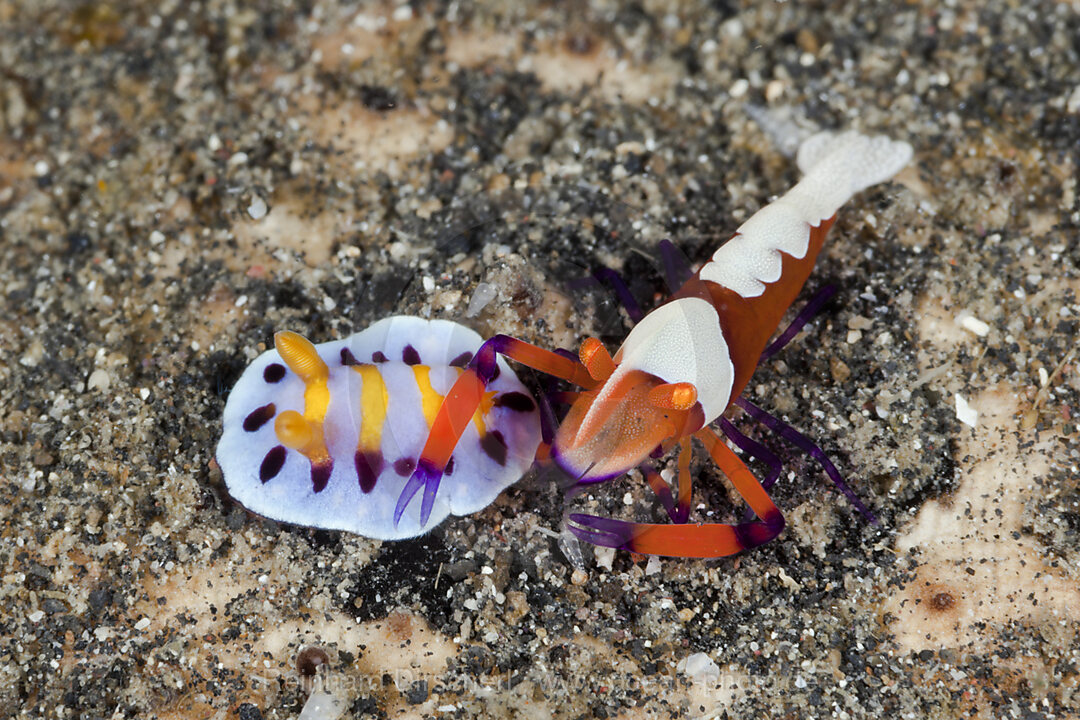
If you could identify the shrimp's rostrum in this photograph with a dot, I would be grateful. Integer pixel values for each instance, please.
(685, 363)
(328, 435)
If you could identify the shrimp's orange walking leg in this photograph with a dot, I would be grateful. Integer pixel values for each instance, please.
(693, 540)
(460, 405)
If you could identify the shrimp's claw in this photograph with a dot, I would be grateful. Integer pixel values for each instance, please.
(709, 540)
(606, 532)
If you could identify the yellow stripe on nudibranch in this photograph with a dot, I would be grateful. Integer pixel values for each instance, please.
(302, 358)
(374, 399)
(430, 401)
(486, 403)
(304, 432)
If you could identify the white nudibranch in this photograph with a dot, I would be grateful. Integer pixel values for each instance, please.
(329, 435)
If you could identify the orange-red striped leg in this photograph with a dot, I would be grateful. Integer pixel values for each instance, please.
(460, 404)
(693, 540)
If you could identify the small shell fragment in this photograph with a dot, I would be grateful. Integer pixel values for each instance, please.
(972, 324)
(965, 413)
(322, 706)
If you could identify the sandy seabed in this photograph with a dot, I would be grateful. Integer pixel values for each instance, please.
(178, 180)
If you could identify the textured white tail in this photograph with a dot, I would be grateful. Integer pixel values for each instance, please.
(836, 166)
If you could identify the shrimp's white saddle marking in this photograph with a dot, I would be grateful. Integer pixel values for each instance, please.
(679, 342)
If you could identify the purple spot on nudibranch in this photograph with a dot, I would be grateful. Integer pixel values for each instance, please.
(449, 469)
(378, 357)
(495, 446)
(409, 355)
(272, 463)
(320, 475)
(347, 358)
(461, 360)
(404, 466)
(259, 417)
(368, 467)
(274, 372)
(517, 401)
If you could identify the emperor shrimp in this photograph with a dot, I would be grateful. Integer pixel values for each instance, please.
(329, 435)
(681, 367)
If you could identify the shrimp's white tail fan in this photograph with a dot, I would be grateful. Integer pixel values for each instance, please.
(836, 166)
(839, 165)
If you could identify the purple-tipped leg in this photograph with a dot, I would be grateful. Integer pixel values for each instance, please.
(676, 265)
(633, 309)
(757, 451)
(663, 494)
(622, 291)
(805, 315)
(425, 476)
(602, 531)
(800, 441)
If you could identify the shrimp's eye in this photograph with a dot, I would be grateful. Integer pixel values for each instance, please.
(673, 396)
(596, 359)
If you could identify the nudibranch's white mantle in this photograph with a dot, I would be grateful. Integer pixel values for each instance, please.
(384, 384)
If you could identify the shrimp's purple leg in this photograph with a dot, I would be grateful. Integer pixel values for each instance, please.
(676, 265)
(757, 451)
(800, 441)
(805, 315)
(622, 291)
